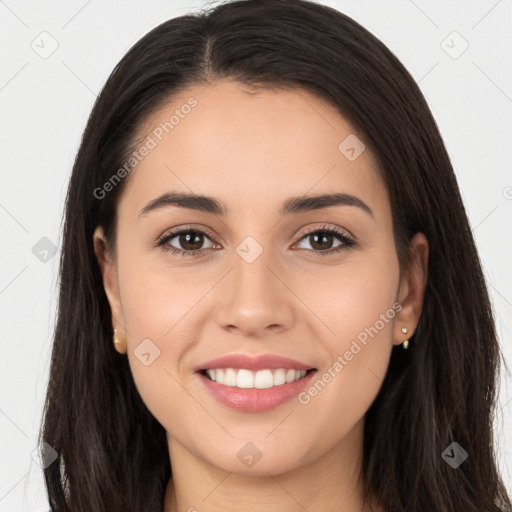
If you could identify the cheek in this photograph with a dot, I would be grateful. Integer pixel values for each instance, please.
(361, 316)
(156, 298)
(156, 307)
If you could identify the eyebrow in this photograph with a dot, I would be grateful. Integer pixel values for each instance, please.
(295, 205)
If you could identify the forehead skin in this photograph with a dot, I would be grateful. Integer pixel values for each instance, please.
(252, 151)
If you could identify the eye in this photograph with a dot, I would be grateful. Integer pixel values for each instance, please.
(321, 239)
(191, 241)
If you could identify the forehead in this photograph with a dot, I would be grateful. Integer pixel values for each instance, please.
(250, 149)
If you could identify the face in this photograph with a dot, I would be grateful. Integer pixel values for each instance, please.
(320, 286)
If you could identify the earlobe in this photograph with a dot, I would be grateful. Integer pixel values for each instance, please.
(110, 285)
(412, 289)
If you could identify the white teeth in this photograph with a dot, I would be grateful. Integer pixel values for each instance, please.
(290, 375)
(244, 379)
(279, 377)
(230, 378)
(262, 379)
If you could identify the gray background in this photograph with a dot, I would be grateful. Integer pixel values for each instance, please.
(44, 104)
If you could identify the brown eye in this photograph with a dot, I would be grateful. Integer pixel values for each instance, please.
(191, 241)
(187, 242)
(322, 241)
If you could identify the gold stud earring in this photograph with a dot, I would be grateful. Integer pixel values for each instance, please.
(405, 344)
(117, 343)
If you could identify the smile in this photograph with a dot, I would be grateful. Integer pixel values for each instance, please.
(238, 388)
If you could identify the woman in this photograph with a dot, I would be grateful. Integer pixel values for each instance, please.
(209, 353)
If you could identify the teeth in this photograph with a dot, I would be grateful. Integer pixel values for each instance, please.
(261, 379)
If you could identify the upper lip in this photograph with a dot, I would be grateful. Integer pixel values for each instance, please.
(271, 361)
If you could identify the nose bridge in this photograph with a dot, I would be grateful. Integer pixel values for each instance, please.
(252, 275)
(255, 298)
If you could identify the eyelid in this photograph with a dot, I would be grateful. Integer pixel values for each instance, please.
(187, 227)
(326, 227)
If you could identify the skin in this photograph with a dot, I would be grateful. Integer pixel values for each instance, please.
(252, 152)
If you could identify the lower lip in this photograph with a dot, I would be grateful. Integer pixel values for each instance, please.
(256, 400)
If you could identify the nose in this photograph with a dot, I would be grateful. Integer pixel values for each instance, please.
(254, 299)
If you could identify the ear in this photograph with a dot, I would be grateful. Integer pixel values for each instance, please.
(411, 290)
(110, 283)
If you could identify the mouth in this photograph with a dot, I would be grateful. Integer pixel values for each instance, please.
(257, 390)
(244, 378)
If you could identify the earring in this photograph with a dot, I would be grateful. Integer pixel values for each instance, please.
(405, 344)
(117, 343)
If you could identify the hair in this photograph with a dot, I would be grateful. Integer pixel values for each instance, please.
(112, 452)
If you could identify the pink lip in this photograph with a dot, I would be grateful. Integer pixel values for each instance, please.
(253, 399)
(262, 362)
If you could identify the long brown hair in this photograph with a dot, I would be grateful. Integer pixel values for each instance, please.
(112, 453)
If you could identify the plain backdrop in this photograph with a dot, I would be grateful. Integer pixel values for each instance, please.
(54, 59)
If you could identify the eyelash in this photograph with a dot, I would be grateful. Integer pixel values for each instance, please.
(347, 241)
